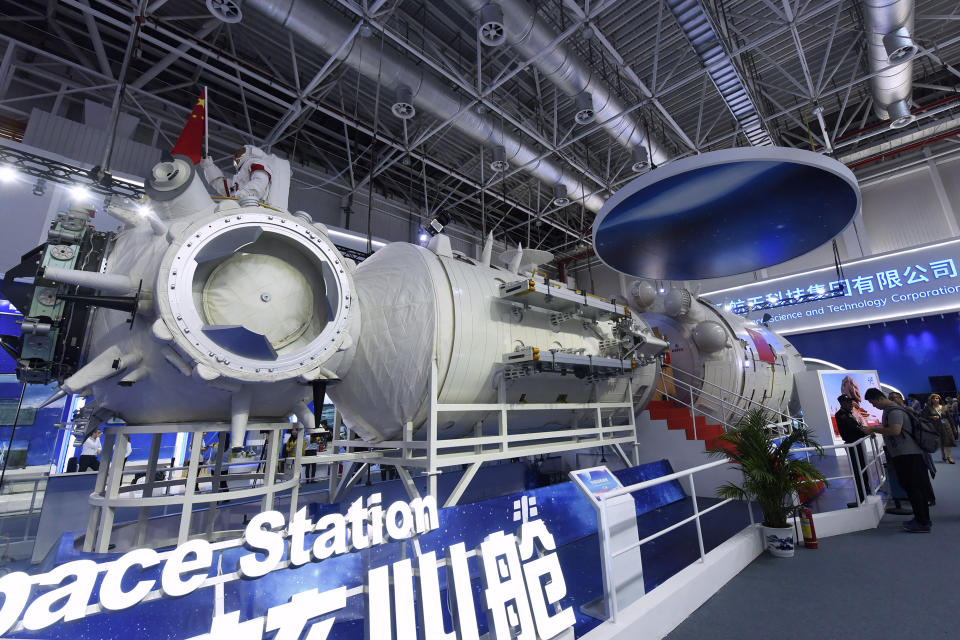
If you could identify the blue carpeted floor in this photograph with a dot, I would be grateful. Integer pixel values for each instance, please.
(878, 584)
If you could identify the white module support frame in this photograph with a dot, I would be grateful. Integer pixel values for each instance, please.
(109, 494)
(609, 424)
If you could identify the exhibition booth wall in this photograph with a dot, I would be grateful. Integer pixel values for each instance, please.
(903, 352)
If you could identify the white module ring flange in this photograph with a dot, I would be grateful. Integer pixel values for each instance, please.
(256, 296)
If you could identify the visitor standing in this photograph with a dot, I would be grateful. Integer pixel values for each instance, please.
(907, 457)
(851, 431)
(914, 403)
(90, 452)
(897, 398)
(940, 415)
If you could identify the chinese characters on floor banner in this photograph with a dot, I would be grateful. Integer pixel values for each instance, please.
(522, 581)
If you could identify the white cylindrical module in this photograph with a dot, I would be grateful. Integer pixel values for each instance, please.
(422, 310)
(241, 309)
(731, 362)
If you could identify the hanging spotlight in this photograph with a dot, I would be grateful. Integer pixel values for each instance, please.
(560, 198)
(499, 162)
(79, 193)
(7, 173)
(436, 225)
(403, 103)
(491, 30)
(900, 46)
(40, 187)
(900, 115)
(585, 113)
(641, 159)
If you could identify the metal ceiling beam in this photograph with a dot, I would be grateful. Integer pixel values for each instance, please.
(470, 90)
(205, 29)
(346, 120)
(97, 42)
(297, 108)
(322, 27)
(535, 39)
(811, 87)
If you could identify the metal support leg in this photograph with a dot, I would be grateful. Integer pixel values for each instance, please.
(148, 482)
(462, 485)
(432, 470)
(112, 489)
(196, 443)
(331, 481)
(693, 417)
(94, 519)
(408, 483)
(349, 479)
(622, 454)
(502, 420)
(215, 481)
(270, 473)
(696, 512)
(295, 492)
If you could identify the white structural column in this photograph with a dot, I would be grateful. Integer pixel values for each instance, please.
(948, 213)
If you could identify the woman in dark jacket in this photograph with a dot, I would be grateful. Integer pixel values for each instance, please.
(940, 414)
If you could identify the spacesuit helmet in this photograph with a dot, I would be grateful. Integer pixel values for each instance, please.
(238, 157)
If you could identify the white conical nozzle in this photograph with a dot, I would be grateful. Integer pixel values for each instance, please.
(487, 252)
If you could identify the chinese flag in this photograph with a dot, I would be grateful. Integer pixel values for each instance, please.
(190, 142)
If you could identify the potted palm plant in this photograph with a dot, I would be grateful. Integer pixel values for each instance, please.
(770, 476)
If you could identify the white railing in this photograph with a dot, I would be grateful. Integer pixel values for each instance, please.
(737, 407)
(29, 513)
(608, 559)
(875, 460)
(777, 429)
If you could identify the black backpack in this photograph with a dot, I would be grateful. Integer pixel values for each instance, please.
(924, 431)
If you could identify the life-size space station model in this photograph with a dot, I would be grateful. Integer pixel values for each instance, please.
(206, 309)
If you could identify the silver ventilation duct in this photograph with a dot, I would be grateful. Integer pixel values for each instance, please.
(530, 35)
(560, 198)
(491, 25)
(403, 103)
(327, 30)
(889, 24)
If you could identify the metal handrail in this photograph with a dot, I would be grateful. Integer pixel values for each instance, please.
(698, 379)
(698, 514)
(725, 424)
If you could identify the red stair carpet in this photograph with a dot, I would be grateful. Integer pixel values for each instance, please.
(678, 417)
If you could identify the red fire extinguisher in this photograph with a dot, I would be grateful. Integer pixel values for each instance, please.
(806, 525)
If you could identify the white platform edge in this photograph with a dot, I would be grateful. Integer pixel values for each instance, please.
(660, 611)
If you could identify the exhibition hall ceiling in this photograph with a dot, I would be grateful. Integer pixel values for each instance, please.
(403, 97)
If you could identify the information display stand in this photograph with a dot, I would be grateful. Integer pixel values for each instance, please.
(619, 542)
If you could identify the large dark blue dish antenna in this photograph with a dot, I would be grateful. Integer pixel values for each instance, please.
(725, 212)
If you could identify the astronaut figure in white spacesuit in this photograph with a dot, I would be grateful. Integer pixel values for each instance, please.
(258, 177)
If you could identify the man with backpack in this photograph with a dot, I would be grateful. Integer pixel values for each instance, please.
(903, 437)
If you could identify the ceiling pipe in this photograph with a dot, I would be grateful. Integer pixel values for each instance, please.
(910, 147)
(889, 24)
(319, 25)
(531, 35)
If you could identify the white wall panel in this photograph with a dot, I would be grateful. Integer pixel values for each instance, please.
(903, 212)
(950, 176)
(86, 144)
